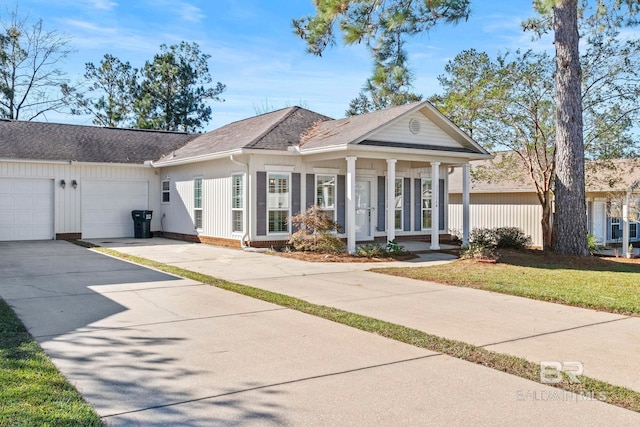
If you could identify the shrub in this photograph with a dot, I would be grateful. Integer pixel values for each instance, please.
(511, 238)
(593, 245)
(315, 232)
(483, 237)
(394, 248)
(371, 250)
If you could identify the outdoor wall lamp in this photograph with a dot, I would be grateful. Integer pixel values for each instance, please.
(62, 183)
(74, 184)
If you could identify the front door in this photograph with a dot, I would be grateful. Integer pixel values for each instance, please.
(364, 209)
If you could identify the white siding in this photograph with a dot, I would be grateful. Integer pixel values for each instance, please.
(68, 201)
(216, 198)
(520, 210)
(429, 134)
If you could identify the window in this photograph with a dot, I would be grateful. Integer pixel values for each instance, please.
(426, 203)
(616, 231)
(633, 230)
(398, 203)
(326, 194)
(166, 191)
(197, 203)
(278, 202)
(237, 203)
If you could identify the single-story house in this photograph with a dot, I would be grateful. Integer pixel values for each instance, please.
(612, 202)
(237, 185)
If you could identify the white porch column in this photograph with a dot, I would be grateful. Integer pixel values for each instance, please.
(391, 199)
(351, 204)
(435, 208)
(465, 205)
(625, 227)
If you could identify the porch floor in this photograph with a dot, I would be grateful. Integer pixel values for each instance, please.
(417, 247)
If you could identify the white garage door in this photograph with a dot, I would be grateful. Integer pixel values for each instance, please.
(107, 206)
(26, 209)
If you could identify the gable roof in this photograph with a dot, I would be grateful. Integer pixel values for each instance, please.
(359, 129)
(276, 130)
(63, 142)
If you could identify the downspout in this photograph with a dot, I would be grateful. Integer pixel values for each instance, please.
(245, 236)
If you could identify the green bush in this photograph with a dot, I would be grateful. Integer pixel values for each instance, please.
(592, 244)
(483, 237)
(511, 238)
(394, 248)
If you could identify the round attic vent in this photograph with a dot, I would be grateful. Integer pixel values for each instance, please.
(414, 126)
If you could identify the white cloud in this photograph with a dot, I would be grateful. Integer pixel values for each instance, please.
(103, 4)
(190, 13)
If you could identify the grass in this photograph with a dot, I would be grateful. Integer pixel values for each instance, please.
(607, 284)
(615, 395)
(33, 392)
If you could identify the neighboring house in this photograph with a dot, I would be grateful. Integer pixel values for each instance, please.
(239, 184)
(513, 202)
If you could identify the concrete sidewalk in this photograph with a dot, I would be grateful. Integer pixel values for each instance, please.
(148, 348)
(608, 345)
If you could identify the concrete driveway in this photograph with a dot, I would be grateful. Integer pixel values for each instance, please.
(148, 348)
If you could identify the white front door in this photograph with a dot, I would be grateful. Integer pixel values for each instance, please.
(600, 221)
(364, 208)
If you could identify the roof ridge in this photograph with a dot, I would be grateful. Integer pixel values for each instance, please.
(274, 125)
(30, 122)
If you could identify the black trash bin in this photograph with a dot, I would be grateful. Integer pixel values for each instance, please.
(142, 224)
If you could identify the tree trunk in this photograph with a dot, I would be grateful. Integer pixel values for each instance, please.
(547, 226)
(570, 218)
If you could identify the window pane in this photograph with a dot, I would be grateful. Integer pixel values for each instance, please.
(398, 220)
(237, 219)
(633, 227)
(165, 197)
(398, 194)
(325, 191)
(197, 193)
(197, 219)
(426, 193)
(426, 219)
(165, 185)
(278, 197)
(278, 222)
(236, 192)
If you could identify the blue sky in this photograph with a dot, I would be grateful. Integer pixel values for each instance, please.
(254, 51)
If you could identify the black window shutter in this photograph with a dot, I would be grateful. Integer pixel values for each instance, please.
(311, 191)
(341, 201)
(261, 205)
(441, 204)
(406, 204)
(417, 204)
(381, 204)
(295, 196)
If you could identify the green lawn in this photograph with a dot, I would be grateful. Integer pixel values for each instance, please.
(608, 284)
(32, 391)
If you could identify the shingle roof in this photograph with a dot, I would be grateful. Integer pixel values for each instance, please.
(276, 130)
(54, 142)
(337, 133)
(343, 131)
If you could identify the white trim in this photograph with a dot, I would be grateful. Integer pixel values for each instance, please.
(162, 191)
(435, 206)
(351, 204)
(74, 163)
(391, 197)
(399, 174)
(200, 209)
(279, 168)
(335, 192)
(466, 202)
(326, 171)
(426, 175)
(288, 209)
(366, 172)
